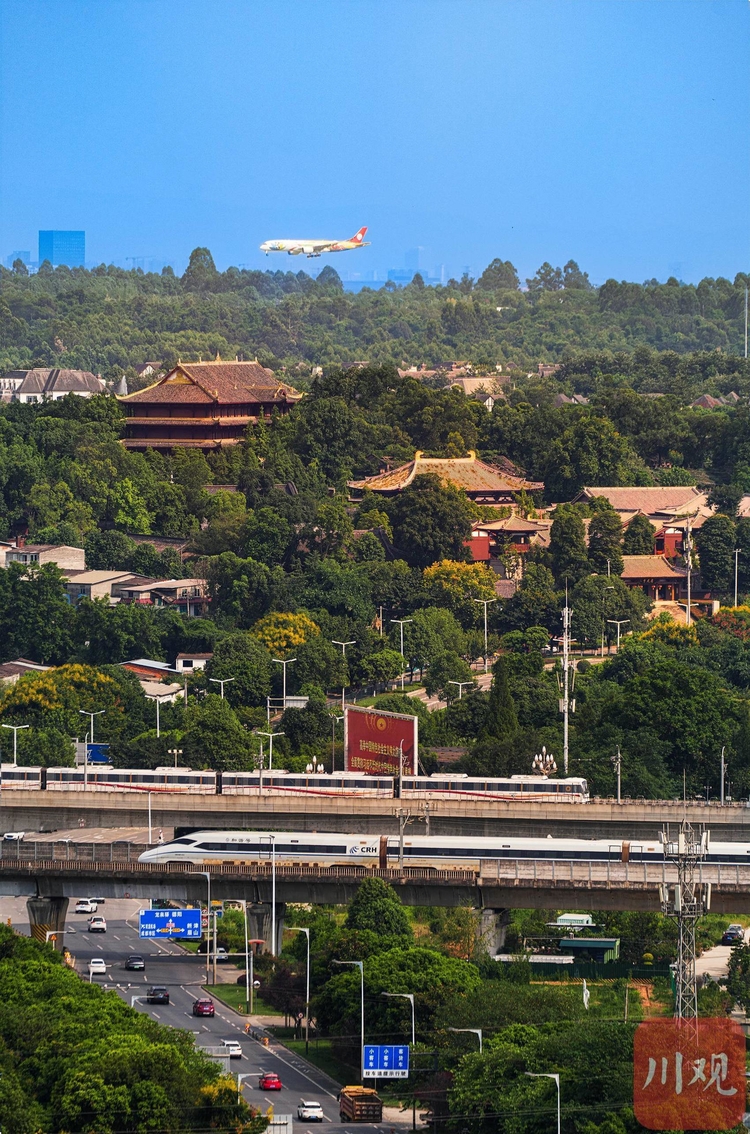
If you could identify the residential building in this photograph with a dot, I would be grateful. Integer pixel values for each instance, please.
(37, 554)
(61, 246)
(188, 663)
(187, 596)
(10, 671)
(98, 584)
(9, 384)
(148, 669)
(41, 385)
(483, 483)
(204, 405)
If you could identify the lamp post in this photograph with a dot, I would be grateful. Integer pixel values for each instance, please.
(306, 931)
(84, 713)
(242, 1075)
(723, 773)
(253, 941)
(736, 571)
(410, 997)
(476, 1032)
(556, 1078)
(617, 761)
(285, 663)
(460, 685)
(485, 603)
(618, 622)
(604, 598)
(174, 752)
(222, 681)
(272, 840)
(270, 736)
(333, 742)
(343, 645)
(16, 729)
(361, 967)
(402, 622)
(207, 876)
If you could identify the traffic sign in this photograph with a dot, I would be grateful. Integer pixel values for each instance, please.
(385, 1061)
(170, 923)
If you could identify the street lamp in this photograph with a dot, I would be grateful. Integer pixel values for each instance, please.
(207, 876)
(343, 645)
(617, 762)
(159, 698)
(485, 603)
(333, 742)
(604, 599)
(222, 681)
(16, 729)
(285, 663)
(361, 967)
(410, 997)
(174, 752)
(460, 685)
(272, 840)
(736, 571)
(548, 1075)
(476, 1032)
(84, 713)
(401, 622)
(618, 622)
(306, 931)
(270, 736)
(242, 1075)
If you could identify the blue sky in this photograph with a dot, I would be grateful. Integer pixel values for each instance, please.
(614, 132)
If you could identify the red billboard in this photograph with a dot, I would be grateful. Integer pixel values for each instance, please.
(689, 1074)
(374, 741)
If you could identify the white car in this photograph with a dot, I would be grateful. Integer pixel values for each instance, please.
(232, 1048)
(14, 836)
(309, 1111)
(85, 905)
(97, 966)
(97, 925)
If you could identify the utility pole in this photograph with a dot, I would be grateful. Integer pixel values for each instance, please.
(617, 761)
(685, 902)
(343, 645)
(565, 703)
(402, 622)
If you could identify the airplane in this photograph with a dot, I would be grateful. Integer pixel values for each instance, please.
(313, 248)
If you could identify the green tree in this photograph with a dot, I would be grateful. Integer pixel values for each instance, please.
(201, 273)
(36, 620)
(431, 632)
(535, 603)
(716, 541)
(214, 737)
(384, 666)
(605, 542)
(498, 275)
(376, 906)
(568, 547)
(446, 669)
(501, 721)
(431, 521)
(599, 597)
(108, 551)
(244, 660)
(639, 536)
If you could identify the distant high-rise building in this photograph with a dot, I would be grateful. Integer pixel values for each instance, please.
(62, 247)
(24, 257)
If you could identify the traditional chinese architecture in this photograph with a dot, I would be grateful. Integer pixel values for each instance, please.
(203, 405)
(655, 575)
(483, 483)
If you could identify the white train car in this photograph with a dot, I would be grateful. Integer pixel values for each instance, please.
(336, 784)
(14, 778)
(534, 789)
(99, 778)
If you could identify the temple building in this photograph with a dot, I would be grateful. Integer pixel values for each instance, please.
(482, 483)
(203, 405)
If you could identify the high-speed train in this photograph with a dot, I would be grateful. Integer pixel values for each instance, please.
(536, 789)
(214, 848)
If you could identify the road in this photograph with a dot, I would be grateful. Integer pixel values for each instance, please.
(184, 975)
(715, 961)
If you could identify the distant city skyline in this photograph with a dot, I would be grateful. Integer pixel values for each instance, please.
(613, 134)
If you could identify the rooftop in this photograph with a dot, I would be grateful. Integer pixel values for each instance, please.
(209, 383)
(468, 473)
(93, 577)
(649, 567)
(653, 499)
(47, 381)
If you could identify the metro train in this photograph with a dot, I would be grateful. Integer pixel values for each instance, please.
(214, 848)
(281, 783)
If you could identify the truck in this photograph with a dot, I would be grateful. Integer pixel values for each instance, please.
(360, 1104)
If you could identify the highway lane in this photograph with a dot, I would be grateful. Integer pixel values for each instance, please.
(184, 974)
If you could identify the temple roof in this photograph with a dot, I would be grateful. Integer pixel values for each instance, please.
(215, 382)
(467, 473)
(649, 567)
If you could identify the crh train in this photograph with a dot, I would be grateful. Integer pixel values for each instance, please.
(280, 783)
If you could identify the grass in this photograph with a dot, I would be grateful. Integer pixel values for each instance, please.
(320, 1055)
(234, 996)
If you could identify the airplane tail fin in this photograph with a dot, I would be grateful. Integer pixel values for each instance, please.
(359, 236)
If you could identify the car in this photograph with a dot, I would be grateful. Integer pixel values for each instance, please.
(221, 954)
(203, 1006)
(14, 836)
(97, 924)
(309, 1111)
(232, 1048)
(157, 994)
(97, 966)
(732, 934)
(269, 1082)
(85, 905)
(135, 962)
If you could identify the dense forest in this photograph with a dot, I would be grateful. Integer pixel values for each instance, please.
(107, 319)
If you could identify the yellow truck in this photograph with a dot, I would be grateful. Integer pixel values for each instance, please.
(360, 1104)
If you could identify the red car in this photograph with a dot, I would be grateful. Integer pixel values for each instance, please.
(269, 1082)
(203, 1007)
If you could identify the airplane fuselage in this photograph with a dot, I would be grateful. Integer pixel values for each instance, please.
(315, 247)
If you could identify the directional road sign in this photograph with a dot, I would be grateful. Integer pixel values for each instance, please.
(385, 1061)
(170, 923)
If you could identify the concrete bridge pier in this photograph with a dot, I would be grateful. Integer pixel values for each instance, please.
(492, 928)
(47, 915)
(259, 924)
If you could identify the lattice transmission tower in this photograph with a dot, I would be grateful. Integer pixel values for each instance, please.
(686, 900)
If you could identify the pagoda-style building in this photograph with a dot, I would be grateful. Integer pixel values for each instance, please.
(483, 483)
(203, 405)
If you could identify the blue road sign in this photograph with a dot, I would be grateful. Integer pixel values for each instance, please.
(97, 753)
(170, 923)
(385, 1061)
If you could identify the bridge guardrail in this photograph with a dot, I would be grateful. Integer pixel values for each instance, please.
(545, 872)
